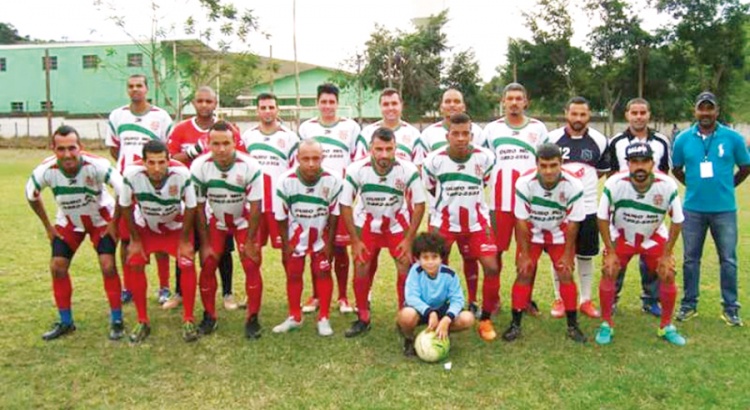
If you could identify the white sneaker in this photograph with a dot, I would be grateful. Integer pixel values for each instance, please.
(344, 306)
(310, 306)
(287, 326)
(324, 328)
(229, 303)
(172, 303)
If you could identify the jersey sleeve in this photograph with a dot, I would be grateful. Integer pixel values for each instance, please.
(359, 150)
(675, 207)
(281, 204)
(488, 166)
(741, 156)
(419, 151)
(111, 177)
(36, 183)
(293, 141)
(575, 208)
(614, 162)
(188, 193)
(174, 142)
(428, 176)
(605, 202)
(112, 139)
(196, 176)
(412, 292)
(523, 202)
(333, 199)
(350, 186)
(125, 195)
(678, 159)
(603, 165)
(254, 189)
(477, 137)
(416, 189)
(166, 127)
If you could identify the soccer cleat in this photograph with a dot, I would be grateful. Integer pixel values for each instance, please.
(140, 333)
(230, 303)
(189, 332)
(575, 334)
(686, 313)
(512, 333)
(287, 326)
(252, 328)
(126, 296)
(474, 309)
(409, 350)
(732, 317)
(652, 309)
(116, 330)
(324, 327)
(208, 325)
(344, 306)
(558, 309)
(532, 309)
(358, 328)
(486, 330)
(669, 333)
(604, 334)
(59, 329)
(173, 302)
(311, 305)
(588, 309)
(164, 295)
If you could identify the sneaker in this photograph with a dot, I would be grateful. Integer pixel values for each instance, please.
(324, 327)
(344, 306)
(409, 350)
(652, 309)
(252, 328)
(532, 309)
(140, 333)
(126, 296)
(287, 326)
(512, 333)
(686, 313)
(189, 332)
(116, 330)
(164, 295)
(589, 309)
(575, 334)
(604, 334)
(669, 333)
(558, 309)
(173, 302)
(242, 304)
(229, 302)
(487, 330)
(474, 309)
(59, 329)
(311, 305)
(358, 328)
(732, 317)
(208, 325)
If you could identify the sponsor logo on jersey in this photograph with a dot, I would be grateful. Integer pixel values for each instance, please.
(478, 170)
(658, 199)
(173, 190)
(562, 198)
(325, 192)
(89, 181)
(533, 137)
(400, 184)
(154, 125)
(407, 139)
(239, 179)
(587, 154)
(343, 135)
(281, 143)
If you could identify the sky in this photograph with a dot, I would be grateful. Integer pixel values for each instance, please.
(328, 31)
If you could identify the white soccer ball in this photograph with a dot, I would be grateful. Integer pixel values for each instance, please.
(430, 348)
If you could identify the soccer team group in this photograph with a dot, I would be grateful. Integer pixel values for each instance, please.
(334, 192)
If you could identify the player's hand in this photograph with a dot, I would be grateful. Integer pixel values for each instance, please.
(52, 233)
(251, 250)
(524, 265)
(186, 250)
(112, 231)
(359, 252)
(404, 251)
(432, 323)
(136, 254)
(611, 263)
(666, 265)
(566, 264)
(328, 251)
(207, 252)
(442, 329)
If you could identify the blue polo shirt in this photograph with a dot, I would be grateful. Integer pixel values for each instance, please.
(725, 149)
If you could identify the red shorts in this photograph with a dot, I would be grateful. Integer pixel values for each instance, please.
(74, 239)
(269, 228)
(505, 223)
(217, 238)
(650, 256)
(555, 252)
(374, 242)
(167, 242)
(122, 229)
(318, 264)
(472, 245)
(342, 235)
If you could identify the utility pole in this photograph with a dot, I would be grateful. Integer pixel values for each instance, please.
(48, 102)
(296, 64)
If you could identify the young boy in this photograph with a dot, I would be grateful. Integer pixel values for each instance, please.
(433, 294)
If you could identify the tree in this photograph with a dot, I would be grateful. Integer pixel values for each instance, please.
(9, 35)
(463, 75)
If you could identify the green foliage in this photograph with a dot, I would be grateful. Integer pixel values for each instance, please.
(463, 75)
(9, 35)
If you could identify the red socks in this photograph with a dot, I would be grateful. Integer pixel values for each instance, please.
(667, 296)
(341, 267)
(400, 289)
(471, 272)
(140, 287)
(361, 290)
(253, 286)
(113, 290)
(187, 286)
(490, 293)
(607, 298)
(162, 266)
(62, 288)
(208, 285)
(295, 267)
(569, 295)
(324, 286)
(520, 296)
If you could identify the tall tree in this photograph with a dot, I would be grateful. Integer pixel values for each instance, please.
(9, 35)
(463, 75)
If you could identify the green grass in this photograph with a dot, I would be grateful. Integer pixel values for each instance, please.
(302, 370)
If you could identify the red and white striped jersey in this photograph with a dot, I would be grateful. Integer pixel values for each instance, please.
(342, 142)
(407, 137)
(383, 199)
(130, 132)
(434, 137)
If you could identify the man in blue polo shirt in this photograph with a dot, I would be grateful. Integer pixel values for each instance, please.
(704, 159)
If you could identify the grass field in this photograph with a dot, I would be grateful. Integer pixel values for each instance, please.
(303, 370)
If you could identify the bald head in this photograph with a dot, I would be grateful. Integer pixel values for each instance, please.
(205, 102)
(310, 159)
(452, 103)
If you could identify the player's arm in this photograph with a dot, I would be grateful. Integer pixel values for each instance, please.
(416, 192)
(455, 304)
(575, 215)
(412, 294)
(254, 196)
(346, 200)
(611, 262)
(741, 174)
(281, 214)
(678, 161)
(33, 195)
(187, 250)
(524, 264)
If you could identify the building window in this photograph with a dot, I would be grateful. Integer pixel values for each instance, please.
(90, 61)
(43, 104)
(2, 63)
(135, 60)
(16, 106)
(52, 63)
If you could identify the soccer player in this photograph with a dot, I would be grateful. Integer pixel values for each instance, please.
(514, 139)
(631, 221)
(407, 136)
(585, 155)
(307, 212)
(433, 294)
(230, 185)
(342, 144)
(638, 114)
(77, 180)
(382, 186)
(130, 128)
(158, 204)
(548, 210)
(456, 176)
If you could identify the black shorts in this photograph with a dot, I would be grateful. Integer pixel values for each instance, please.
(60, 249)
(228, 245)
(587, 242)
(442, 311)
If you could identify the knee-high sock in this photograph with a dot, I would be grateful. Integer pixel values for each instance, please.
(556, 283)
(113, 289)
(62, 289)
(162, 267)
(361, 290)
(187, 287)
(324, 285)
(471, 272)
(341, 268)
(585, 277)
(208, 285)
(295, 268)
(253, 286)
(140, 287)
(400, 289)
(520, 296)
(667, 296)
(569, 296)
(490, 293)
(607, 298)
(127, 276)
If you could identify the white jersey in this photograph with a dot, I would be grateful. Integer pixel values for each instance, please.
(383, 199)
(459, 205)
(227, 191)
(129, 132)
(342, 142)
(515, 150)
(435, 137)
(307, 209)
(82, 199)
(407, 137)
(638, 217)
(161, 208)
(585, 157)
(548, 211)
(276, 154)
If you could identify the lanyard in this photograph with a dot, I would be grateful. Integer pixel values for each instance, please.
(706, 148)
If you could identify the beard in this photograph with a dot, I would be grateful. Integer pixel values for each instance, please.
(577, 126)
(640, 176)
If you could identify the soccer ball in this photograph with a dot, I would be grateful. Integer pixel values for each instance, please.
(430, 348)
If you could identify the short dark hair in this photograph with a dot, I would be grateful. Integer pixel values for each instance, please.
(154, 147)
(637, 100)
(220, 125)
(328, 88)
(65, 130)
(387, 92)
(428, 242)
(143, 76)
(384, 134)
(267, 96)
(460, 118)
(548, 151)
(515, 87)
(577, 100)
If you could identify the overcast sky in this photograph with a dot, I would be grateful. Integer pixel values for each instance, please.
(328, 31)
